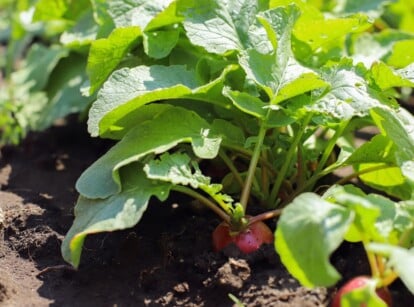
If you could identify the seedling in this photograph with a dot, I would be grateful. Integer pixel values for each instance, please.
(272, 93)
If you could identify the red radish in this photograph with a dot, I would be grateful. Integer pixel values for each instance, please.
(248, 240)
(360, 282)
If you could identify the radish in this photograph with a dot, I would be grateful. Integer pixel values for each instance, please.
(248, 240)
(357, 283)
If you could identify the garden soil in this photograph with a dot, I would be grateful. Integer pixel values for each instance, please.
(166, 260)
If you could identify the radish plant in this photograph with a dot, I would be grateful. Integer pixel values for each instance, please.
(270, 93)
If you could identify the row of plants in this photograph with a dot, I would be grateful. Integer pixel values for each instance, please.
(268, 92)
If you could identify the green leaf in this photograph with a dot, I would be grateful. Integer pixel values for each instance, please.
(380, 149)
(247, 103)
(369, 48)
(375, 217)
(50, 10)
(177, 169)
(401, 261)
(100, 12)
(166, 130)
(130, 88)
(127, 90)
(400, 15)
(402, 54)
(398, 125)
(105, 54)
(279, 73)
(83, 33)
(38, 65)
(120, 211)
(386, 77)
(64, 90)
(145, 113)
(372, 8)
(222, 26)
(349, 94)
(139, 13)
(158, 44)
(307, 220)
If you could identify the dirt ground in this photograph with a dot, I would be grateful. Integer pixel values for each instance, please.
(166, 260)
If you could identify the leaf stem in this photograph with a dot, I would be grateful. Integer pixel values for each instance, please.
(265, 177)
(389, 279)
(204, 200)
(265, 216)
(331, 144)
(291, 152)
(248, 154)
(252, 166)
(372, 260)
(229, 163)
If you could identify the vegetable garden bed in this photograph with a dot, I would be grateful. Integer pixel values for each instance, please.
(225, 157)
(167, 260)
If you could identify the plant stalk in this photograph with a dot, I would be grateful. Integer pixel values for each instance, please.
(330, 147)
(204, 200)
(252, 166)
(372, 260)
(231, 167)
(289, 157)
(265, 216)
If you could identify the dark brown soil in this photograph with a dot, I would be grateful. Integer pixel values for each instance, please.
(166, 260)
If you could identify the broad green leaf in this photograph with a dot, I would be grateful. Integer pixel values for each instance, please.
(158, 44)
(400, 259)
(372, 8)
(83, 33)
(53, 10)
(379, 164)
(398, 125)
(308, 231)
(139, 13)
(129, 88)
(168, 17)
(380, 149)
(230, 133)
(247, 103)
(349, 94)
(318, 38)
(222, 26)
(326, 33)
(38, 65)
(50, 10)
(279, 73)
(386, 77)
(120, 211)
(100, 12)
(145, 113)
(64, 90)
(388, 176)
(375, 217)
(402, 54)
(177, 169)
(166, 130)
(365, 213)
(106, 53)
(388, 179)
(369, 48)
(400, 15)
